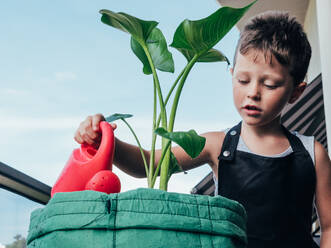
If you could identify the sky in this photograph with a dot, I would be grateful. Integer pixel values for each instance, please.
(59, 64)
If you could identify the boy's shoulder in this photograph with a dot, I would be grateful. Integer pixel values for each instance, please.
(305, 139)
(214, 137)
(213, 146)
(308, 142)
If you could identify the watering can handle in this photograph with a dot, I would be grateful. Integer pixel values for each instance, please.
(106, 147)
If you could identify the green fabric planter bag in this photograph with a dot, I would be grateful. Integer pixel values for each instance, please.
(138, 218)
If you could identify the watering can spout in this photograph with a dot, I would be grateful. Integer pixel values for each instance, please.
(85, 162)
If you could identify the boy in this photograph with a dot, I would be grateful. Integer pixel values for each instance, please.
(274, 173)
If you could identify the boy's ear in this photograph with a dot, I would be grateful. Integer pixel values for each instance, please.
(297, 92)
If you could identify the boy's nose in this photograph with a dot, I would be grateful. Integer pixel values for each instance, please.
(254, 92)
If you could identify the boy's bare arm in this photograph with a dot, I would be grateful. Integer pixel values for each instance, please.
(323, 193)
(128, 158)
(209, 154)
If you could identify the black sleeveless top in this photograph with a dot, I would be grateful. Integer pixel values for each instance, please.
(277, 193)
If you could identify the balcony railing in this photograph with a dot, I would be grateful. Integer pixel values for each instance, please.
(24, 185)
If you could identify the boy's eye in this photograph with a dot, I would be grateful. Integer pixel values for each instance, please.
(242, 81)
(272, 87)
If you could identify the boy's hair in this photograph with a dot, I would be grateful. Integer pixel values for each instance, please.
(276, 33)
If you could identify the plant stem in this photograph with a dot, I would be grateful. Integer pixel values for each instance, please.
(169, 94)
(157, 84)
(140, 148)
(164, 151)
(165, 169)
(165, 164)
(152, 157)
(152, 162)
(179, 91)
(156, 125)
(151, 166)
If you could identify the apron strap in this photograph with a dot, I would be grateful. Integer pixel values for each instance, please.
(230, 143)
(294, 141)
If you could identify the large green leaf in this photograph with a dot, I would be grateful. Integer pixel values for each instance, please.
(190, 141)
(140, 53)
(117, 116)
(157, 47)
(144, 34)
(173, 166)
(212, 55)
(139, 29)
(201, 35)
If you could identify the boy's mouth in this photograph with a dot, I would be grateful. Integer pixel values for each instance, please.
(252, 109)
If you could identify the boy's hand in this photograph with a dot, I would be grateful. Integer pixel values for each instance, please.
(89, 130)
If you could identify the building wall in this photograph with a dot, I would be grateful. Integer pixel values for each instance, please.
(323, 10)
(317, 26)
(311, 28)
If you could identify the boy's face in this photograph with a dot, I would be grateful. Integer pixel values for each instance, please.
(261, 87)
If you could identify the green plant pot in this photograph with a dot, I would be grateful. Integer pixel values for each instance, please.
(138, 218)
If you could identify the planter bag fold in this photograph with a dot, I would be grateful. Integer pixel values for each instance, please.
(138, 218)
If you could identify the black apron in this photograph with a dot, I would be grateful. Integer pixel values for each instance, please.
(277, 193)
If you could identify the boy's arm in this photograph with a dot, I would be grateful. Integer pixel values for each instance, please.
(128, 157)
(209, 154)
(323, 193)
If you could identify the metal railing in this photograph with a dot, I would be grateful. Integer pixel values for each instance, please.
(24, 185)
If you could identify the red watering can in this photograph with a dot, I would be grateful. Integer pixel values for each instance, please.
(89, 168)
